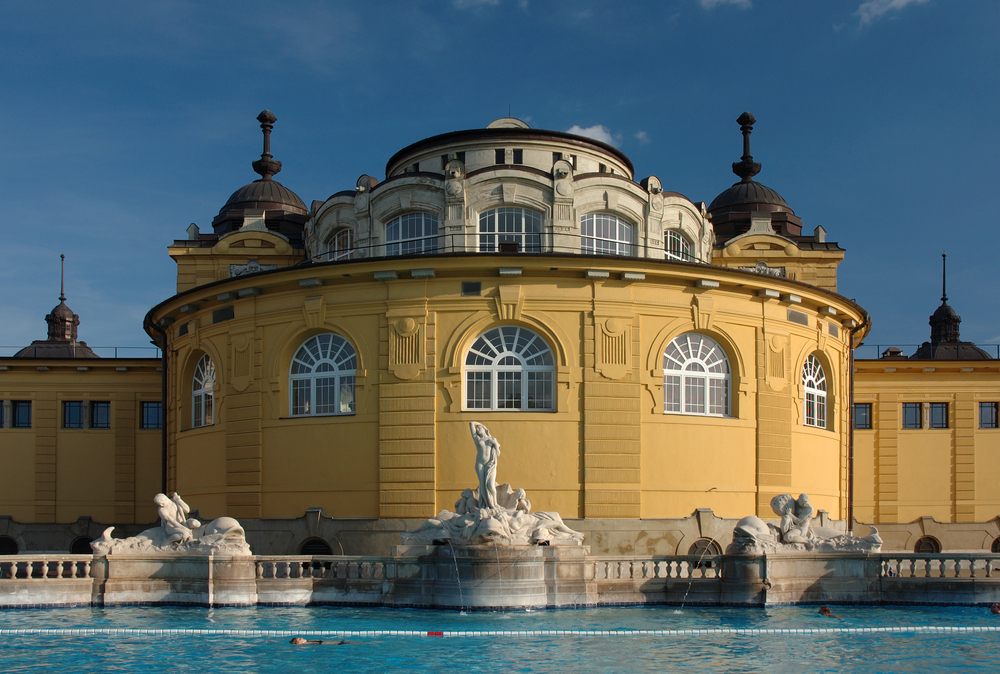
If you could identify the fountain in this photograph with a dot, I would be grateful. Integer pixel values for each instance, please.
(507, 555)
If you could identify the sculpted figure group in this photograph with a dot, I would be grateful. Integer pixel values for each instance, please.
(490, 513)
(178, 534)
(753, 535)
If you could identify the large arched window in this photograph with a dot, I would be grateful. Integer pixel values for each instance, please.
(411, 234)
(510, 225)
(696, 376)
(814, 381)
(322, 377)
(509, 368)
(203, 393)
(606, 234)
(678, 248)
(341, 245)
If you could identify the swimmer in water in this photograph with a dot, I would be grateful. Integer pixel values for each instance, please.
(995, 609)
(825, 611)
(299, 641)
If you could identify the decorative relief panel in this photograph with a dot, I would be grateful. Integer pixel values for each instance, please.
(314, 311)
(406, 347)
(777, 363)
(251, 267)
(510, 301)
(614, 346)
(702, 308)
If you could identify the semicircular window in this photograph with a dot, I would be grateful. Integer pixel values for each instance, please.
(509, 368)
(696, 377)
(412, 234)
(321, 381)
(814, 382)
(606, 234)
(678, 248)
(8, 546)
(927, 544)
(315, 546)
(81, 546)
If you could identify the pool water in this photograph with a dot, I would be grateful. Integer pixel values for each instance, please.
(729, 639)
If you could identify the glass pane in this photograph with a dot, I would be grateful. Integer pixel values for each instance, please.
(209, 404)
(326, 392)
(100, 415)
(347, 395)
(198, 413)
(509, 390)
(672, 392)
(301, 394)
(540, 391)
(694, 395)
(72, 415)
(477, 390)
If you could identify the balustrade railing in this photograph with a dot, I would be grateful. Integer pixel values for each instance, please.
(688, 567)
(305, 566)
(45, 567)
(931, 566)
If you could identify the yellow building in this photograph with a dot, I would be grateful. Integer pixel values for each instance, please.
(639, 355)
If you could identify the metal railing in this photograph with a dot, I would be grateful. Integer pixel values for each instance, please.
(102, 351)
(875, 351)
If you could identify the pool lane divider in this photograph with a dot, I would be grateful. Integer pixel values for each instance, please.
(734, 631)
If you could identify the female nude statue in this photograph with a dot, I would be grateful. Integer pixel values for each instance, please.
(487, 452)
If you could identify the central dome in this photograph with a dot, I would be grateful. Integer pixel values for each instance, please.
(747, 193)
(265, 194)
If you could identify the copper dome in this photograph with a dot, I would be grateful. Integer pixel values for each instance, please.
(268, 195)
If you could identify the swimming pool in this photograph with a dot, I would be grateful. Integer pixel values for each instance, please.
(590, 640)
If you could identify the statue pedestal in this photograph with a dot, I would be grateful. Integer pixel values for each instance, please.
(205, 580)
(801, 578)
(484, 576)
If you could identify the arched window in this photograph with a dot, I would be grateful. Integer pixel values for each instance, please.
(606, 234)
(411, 234)
(927, 544)
(814, 381)
(315, 546)
(510, 225)
(8, 546)
(81, 546)
(322, 376)
(995, 546)
(695, 376)
(203, 393)
(678, 248)
(341, 245)
(509, 368)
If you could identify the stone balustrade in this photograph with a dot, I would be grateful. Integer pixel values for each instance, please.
(304, 566)
(940, 565)
(45, 567)
(691, 567)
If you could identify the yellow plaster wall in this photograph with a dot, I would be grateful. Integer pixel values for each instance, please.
(925, 475)
(85, 474)
(17, 479)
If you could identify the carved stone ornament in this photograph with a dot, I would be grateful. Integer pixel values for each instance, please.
(251, 267)
(795, 532)
(490, 514)
(762, 269)
(178, 535)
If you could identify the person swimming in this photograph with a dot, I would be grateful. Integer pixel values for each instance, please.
(300, 641)
(825, 611)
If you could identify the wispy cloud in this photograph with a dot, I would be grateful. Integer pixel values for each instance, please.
(642, 137)
(597, 132)
(471, 4)
(709, 4)
(871, 11)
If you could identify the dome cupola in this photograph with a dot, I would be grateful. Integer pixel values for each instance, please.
(62, 333)
(946, 343)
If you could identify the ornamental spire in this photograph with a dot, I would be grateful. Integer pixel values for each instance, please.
(62, 277)
(266, 166)
(746, 168)
(944, 277)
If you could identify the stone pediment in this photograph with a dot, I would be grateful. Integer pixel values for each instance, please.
(257, 243)
(750, 245)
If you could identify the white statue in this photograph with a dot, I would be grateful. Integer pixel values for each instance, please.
(178, 534)
(753, 535)
(491, 513)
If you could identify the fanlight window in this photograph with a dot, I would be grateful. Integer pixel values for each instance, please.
(411, 234)
(678, 248)
(509, 368)
(696, 377)
(341, 245)
(814, 381)
(203, 393)
(510, 225)
(606, 234)
(322, 376)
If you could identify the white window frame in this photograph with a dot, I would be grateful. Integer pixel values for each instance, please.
(341, 245)
(397, 243)
(323, 364)
(203, 393)
(677, 247)
(696, 373)
(510, 224)
(814, 382)
(606, 234)
(511, 354)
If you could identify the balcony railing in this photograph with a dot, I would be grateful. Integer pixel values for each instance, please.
(102, 351)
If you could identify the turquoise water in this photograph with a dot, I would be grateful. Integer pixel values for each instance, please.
(842, 650)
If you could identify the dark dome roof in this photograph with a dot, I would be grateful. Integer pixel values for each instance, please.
(62, 311)
(748, 193)
(266, 195)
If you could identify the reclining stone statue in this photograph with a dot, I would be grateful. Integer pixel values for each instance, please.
(178, 534)
(491, 514)
(795, 532)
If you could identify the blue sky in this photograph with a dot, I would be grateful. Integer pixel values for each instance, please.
(124, 122)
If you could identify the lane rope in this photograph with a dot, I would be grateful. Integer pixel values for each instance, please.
(624, 632)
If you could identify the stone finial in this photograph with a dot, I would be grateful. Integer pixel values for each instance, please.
(266, 166)
(746, 168)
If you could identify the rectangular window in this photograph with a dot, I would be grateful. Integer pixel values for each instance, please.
(499, 156)
(987, 415)
(21, 414)
(863, 416)
(3, 414)
(477, 390)
(912, 415)
(694, 395)
(556, 156)
(518, 156)
(939, 415)
(151, 415)
(301, 394)
(540, 390)
(508, 390)
(72, 414)
(100, 415)
(673, 393)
